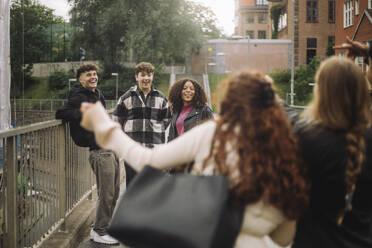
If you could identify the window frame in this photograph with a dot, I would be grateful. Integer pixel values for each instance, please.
(261, 2)
(331, 17)
(262, 32)
(263, 20)
(312, 11)
(246, 34)
(248, 18)
(348, 13)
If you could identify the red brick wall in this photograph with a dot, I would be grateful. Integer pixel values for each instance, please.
(363, 34)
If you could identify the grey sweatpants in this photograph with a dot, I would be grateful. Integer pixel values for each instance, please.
(105, 165)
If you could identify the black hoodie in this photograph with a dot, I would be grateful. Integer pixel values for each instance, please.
(71, 112)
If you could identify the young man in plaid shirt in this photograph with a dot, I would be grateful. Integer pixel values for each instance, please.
(143, 111)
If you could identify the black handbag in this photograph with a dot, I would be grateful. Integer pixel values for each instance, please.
(183, 211)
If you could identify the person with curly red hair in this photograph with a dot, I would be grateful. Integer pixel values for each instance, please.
(251, 143)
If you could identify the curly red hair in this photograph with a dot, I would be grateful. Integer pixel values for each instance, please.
(268, 162)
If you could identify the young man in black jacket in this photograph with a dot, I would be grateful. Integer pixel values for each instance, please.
(105, 164)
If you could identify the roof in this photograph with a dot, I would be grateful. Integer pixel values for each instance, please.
(367, 13)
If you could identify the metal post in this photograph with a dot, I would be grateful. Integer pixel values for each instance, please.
(62, 174)
(69, 83)
(292, 53)
(11, 191)
(248, 40)
(117, 81)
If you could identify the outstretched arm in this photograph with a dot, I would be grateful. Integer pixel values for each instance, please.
(358, 49)
(109, 135)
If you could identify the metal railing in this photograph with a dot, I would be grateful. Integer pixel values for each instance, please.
(44, 175)
(46, 104)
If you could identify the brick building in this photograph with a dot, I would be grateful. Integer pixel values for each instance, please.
(314, 26)
(252, 19)
(355, 21)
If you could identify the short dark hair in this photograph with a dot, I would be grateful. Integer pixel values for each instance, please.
(175, 98)
(144, 67)
(84, 68)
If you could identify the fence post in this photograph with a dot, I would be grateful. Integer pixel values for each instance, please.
(11, 192)
(62, 174)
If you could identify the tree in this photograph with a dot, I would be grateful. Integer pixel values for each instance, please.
(159, 31)
(29, 21)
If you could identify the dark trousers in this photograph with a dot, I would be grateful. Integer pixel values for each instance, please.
(105, 165)
(129, 173)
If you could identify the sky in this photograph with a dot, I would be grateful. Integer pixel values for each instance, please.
(224, 10)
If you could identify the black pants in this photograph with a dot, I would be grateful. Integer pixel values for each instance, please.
(129, 173)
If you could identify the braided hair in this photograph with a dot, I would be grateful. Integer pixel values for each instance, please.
(342, 102)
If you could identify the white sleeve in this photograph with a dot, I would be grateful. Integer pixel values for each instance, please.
(181, 150)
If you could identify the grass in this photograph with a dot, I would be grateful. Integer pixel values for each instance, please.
(214, 81)
(39, 90)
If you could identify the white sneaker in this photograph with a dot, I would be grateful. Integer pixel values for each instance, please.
(92, 234)
(105, 239)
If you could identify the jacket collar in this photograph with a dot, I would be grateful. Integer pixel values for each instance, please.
(137, 90)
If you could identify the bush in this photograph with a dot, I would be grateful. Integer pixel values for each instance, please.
(58, 80)
(304, 75)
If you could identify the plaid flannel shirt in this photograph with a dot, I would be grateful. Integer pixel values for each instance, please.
(143, 119)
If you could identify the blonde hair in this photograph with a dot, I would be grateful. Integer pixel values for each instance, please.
(342, 102)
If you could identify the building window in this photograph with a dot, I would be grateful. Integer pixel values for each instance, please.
(261, 2)
(348, 14)
(356, 7)
(262, 18)
(249, 34)
(249, 19)
(331, 11)
(311, 43)
(312, 11)
(370, 4)
(261, 34)
(311, 49)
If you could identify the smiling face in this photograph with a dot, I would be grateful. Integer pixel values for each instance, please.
(144, 81)
(188, 93)
(89, 79)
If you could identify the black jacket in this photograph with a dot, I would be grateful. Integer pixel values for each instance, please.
(324, 152)
(196, 115)
(71, 112)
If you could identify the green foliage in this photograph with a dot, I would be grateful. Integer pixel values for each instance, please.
(275, 12)
(282, 81)
(59, 80)
(330, 51)
(304, 75)
(28, 41)
(156, 31)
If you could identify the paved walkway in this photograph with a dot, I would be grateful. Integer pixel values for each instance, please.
(87, 243)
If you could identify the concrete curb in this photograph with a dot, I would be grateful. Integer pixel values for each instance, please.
(77, 226)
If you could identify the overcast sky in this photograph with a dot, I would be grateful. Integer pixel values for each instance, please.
(224, 10)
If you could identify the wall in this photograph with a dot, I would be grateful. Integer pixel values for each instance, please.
(45, 69)
(235, 55)
(320, 30)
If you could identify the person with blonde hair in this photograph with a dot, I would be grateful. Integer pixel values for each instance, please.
(251, 143)
(335, 139)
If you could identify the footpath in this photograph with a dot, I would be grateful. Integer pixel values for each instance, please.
(79, 223)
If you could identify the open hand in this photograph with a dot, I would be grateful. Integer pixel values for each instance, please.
(355, 48)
